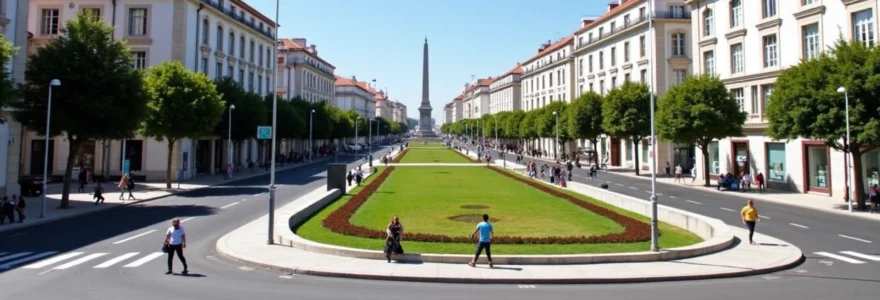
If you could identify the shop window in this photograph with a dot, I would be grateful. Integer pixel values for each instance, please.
(871, 167)
(776, 162)
(714, 158)
(817, 167)
(629, 150)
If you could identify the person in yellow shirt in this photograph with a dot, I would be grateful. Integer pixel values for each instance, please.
(750, 217)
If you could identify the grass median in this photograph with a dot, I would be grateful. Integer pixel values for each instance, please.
(433, 155)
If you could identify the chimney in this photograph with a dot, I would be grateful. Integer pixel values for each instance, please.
(300, 41)
(314, 49)
(587, 21)
(613, 4)
(354, 78)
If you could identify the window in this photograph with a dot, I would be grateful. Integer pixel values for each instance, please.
(769, 8)
(590, 63)
(259, 82)
(626, 52)
(231, 45)
(251, 53)
(626, 20)
(602, 87)
(642, 14)
(250, 81)
(642, 46)
(736, 58)
(591, 87)
(680, 75)
(863, 27)
(626, 77)
(817, 167)
(709, 62)
(49, 23)
(601, 32)
(678, 44)
(644, 76)
(708, 22)
(735, 13)
(218, 71)
(580, 67)
(205, 65)
(551, 79)
(260, 61)
(714, 158)
(776, 162)
(613, 82)
(755, 100)
(601, 60)
(139, 60)
(740, 97)
(93, 12)
(645, 148)
(137, 22)
(677, 11)
(205, 32)
(808, 2)
(562, 77)
(811, 41)
(613, 56)
(766, 91)
(230, 71)
(770, 53)
(241, 48)
(241, 76)
(220, 38)
(268, 57)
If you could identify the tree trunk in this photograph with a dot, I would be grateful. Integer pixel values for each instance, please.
(705, 151)
(73, 151)
(636, 154)
(168, 165)
(858, 181)
(594, 143)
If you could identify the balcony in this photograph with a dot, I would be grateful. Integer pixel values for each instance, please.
(613, 31)
(253, 25)
(673, 14)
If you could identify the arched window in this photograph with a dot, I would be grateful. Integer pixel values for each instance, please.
(260, 61)
(219, 38)
(205, 31)
(241, 46)
(251, 55)
(231, 44)
(678, 44)
(708, 22)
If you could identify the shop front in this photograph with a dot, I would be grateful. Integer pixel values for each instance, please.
(871, 168)
(741, 157)
(817, 173)
(776, 175)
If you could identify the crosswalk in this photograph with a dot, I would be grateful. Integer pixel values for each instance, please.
(850, 256)
(62, 261)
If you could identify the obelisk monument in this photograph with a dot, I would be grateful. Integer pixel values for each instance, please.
(425, 129)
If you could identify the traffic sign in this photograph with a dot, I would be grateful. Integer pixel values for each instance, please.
(264, 132)
(126, 166)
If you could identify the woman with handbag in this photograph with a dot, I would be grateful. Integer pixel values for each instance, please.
(392, 242)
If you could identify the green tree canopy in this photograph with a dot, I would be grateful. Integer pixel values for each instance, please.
(343, 126)
(323, 122)
(289, 122)
(182, 104)
(584, 118)
(698, 111)
(806, 104)
(101, 96)
(512, 124)
(249, 113)
(627, 113)
(8, 92)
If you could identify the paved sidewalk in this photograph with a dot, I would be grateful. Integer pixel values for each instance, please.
(247, 244)
(83, 203)
(806, 200)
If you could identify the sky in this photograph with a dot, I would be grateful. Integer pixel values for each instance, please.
(383, 39)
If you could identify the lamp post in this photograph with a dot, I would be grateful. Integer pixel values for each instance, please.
(356, 150)
(370, 128)
(846, 150)
(229, 141)
(556, 147)
(54, 82)
(311, 129)
(271, 235)
(654, 230)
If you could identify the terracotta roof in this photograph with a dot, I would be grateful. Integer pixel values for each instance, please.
(553, 47)
(614, 11)
(289, 45)
(241, 4)
(516, 70)
(486, 82)
(342, 81)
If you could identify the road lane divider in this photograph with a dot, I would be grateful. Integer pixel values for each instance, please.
(230, 205)
(116, 260)
(854, 238)
(862, 256)
(692, 201)
(798, 225)
(727, 209)
(134, 237)
(839, 257)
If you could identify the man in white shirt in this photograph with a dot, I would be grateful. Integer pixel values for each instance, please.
(175, 238)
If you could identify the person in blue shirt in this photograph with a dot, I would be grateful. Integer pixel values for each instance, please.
(486, 235)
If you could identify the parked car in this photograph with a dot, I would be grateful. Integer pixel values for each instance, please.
(31, 185)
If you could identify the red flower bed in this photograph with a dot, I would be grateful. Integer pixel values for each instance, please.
(399, 156)
(634, 230)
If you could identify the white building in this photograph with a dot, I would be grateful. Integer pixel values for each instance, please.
(448, 110)
(505, 91)
(218, 38)
(384, 106)
(475, 99)
(398, 112)
(13, 27)
(547, 75)
(731, 31)
(351, 95)
(302, 73)
(458, 108)
(614, 48)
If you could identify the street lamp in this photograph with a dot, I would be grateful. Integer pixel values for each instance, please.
(555, 147)
(271, 237)
(311, 130)
(654, 230)
(229, 141)
(356, 152)
(846, 150)
(54, 82)
(370, 128)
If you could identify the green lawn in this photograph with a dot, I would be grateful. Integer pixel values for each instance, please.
(432, 155)
(425, 197)
(430, 144)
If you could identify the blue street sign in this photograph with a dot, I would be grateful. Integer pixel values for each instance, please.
(126, 166)
(264, 132)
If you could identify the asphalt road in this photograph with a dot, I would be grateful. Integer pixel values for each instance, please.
(108, 255)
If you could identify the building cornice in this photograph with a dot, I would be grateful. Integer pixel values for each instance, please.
(709, 42)
(505, 86)
(769, 24)
(735, 33)
(818, 10)
(554, 64)
(752, 77)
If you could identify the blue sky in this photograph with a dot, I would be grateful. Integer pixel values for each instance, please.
(383, 39)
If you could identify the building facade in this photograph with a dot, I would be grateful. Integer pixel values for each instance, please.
(447, 113)
(351, 95)
(302, 73)
(218, 38)
(727, 35)
(13, 27)
(547, 75)
(458, 108)
(398, 111)
(615, 48)
(505, 91)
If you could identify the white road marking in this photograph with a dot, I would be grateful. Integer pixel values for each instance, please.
(649, 192)
(860, 255)
(230, 205)
(672, 197)
(798, 225)
(79, 261)
(187, 219)
(2, 253)
(53, 260)
(26, 259)
(764, 217)
(618, 184)
(659, 194)
(727, 209)
(854, 238)
(116, 260)
(257, 194)
(11, 256)
(134, 237)
(143, 260)
(692, 201)
(839, 257)
(632, 187)
(45, 272)
(243, 200)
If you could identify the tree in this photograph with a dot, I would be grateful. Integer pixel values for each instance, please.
(806, 104)
(698, 111)
(8, 92)
(323, 121)
(512, 124)
(556, 124)
(289, 122)
(249, 113)
(584, 118)
(626, 113)
(182, 104)
(101, 97)
(527, 128)
(343, 125)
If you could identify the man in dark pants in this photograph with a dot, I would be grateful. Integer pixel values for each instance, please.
(175, 239)
(486, 235)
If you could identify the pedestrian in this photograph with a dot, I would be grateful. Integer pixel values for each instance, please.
(667, 169)
(83, 178)
(693, 174)
(175, 242)
(392, 242)
(484, 229)
(746, 182)
(349, 177)
(759, 181)
(19, 207)
(99, 194)
(130, 187)
(678, 174)
(358, 176)
(875, 197)
(749, 218)
(123, 185)
(7, 210)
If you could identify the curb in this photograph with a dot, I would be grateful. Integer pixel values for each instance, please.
(126, 204)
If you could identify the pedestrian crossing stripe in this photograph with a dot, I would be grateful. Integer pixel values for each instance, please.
(862, 256)
(40, 260)
(841, 257)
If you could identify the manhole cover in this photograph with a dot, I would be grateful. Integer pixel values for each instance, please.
(471, 218)
(474, 206)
